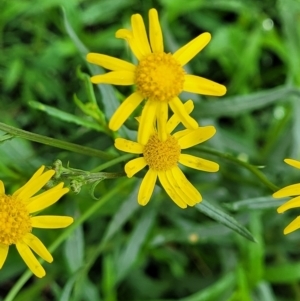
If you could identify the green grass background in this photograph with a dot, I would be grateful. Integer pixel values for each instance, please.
(118, 250)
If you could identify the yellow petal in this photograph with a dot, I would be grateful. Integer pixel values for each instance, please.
(35, 176)
(182, 133)
(294, 225)
(198, 163)
(128, 146)
(182, 193)
(122, 78)
(134, 166)
(155, 33)
(147, 187)
(184, 54)
(288, 191)
(175, 120)
(109, 62)
(51, 221)
(186, 185)
(200, 85)
(2, 188)
(162, 117)
(3, 254)
(37, 246)
(125, 110)
(145, 129)
(32, 187)
(292, 162)
(178, 109)
(170, 190)
(47, 198)
(31, 261)
(128, 36)
(197, 136)
(293, 203)
(139, 34)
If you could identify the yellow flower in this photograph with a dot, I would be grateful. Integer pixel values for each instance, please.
(159, 76)
(291, 190)
(16, 222)
(162, 153)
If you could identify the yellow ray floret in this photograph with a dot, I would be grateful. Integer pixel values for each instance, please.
(159, 76)
(162, 157)
(291, 190)
(16, 222)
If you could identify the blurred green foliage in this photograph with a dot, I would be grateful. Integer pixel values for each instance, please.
(159, 252)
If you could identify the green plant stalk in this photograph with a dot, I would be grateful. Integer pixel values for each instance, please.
(113, 162)
(76, 148)
(88, 213)
(250, 167)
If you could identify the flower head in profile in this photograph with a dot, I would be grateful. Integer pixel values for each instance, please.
(16, 222)
(159, 76)
(162, 152)
(291, 190)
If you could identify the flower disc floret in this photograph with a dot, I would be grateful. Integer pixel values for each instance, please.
(14, 220)
(161, 155)
(159, 77)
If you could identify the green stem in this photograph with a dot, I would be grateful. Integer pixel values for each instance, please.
(63, 236)
(113, 162)
(76, 148)
(250, 167)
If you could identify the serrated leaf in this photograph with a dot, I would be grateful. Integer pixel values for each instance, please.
(224, 218)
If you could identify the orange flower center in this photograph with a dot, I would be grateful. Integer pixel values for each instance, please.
(161, 155)
(14, 220)
(159, 77)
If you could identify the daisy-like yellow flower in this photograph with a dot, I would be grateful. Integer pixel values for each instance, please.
(291, 190)
(16, 222)
(162, 153)
(159, 76)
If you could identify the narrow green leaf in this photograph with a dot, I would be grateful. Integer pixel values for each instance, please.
(125, 211)
(264, 291)
(79, 45)
(129, 255)
(242, 288)
(66, 116)
(233, 106)
(223, 218)
(67, 290)
(215, 291)
(74, 246)
(289, 14)
(283, 273)
(261, 203)
(6, 137)
(255, 252)
(109, 99)
(109, 278)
